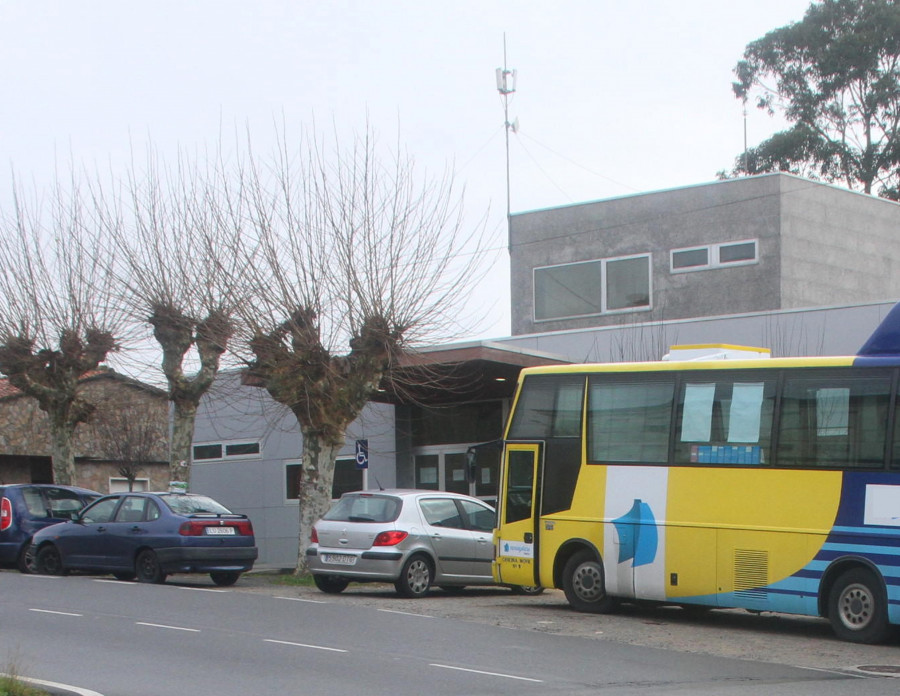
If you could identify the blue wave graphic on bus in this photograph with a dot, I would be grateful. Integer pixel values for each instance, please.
(638, 538)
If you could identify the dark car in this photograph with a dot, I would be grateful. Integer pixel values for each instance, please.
(27, 507)
(149, 536)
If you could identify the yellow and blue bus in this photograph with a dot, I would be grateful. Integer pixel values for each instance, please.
(764, 484)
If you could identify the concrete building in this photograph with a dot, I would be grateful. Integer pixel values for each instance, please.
(733, 247)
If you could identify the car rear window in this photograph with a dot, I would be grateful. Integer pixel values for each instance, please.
(65, 504)
(193, 505)
(365, 508)
(34, 501)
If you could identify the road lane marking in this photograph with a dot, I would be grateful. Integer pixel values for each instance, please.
(301, 599)
(304, 645)
(60, 613)
(488, 674)
(203, 589)
(405, 613)
(173, 628)
(130, 583)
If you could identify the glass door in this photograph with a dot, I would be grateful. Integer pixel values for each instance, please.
(427, 468)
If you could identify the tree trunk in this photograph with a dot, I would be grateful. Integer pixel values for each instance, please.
(182, 440)
(316, 480)
(61, 450)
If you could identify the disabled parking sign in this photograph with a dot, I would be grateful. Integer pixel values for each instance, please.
(362, 454)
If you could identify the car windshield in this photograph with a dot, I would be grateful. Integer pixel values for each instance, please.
(193, 504)
(365, 508)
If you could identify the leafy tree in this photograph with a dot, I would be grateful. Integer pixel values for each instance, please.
(358, 260)
(56, 321)
(835, 77)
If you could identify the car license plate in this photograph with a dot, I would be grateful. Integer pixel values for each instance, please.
(215, 531)
(338, 559)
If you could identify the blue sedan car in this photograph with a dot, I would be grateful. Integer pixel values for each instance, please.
(149, 536)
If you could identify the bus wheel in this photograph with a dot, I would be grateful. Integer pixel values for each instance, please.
(857, 608)
(584, 586)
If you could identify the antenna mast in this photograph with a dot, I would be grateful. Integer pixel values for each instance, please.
(506, 85)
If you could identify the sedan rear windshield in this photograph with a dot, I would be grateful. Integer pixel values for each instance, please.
(193, 505)
(365, 508)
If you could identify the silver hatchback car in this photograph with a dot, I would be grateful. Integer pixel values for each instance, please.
(414, 539)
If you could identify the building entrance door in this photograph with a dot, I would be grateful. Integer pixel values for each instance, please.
(444, 469)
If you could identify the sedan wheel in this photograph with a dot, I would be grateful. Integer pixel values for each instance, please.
(27, 562)
(49, 562)
(331, 584)
(415, 578)
(526, 589)
(147, 568)
(224, 578)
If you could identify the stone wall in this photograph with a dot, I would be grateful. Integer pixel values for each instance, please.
(125, 409)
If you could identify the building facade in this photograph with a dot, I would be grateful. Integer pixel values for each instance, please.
(740, 246)
(774, 261)
(126, 438)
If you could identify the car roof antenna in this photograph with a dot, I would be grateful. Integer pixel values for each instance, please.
(380, 487)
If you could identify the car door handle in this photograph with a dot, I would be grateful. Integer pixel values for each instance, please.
(101, 529)
(135, 529)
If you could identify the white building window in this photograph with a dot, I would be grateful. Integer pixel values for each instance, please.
(594, 287)
(711, 256)
(208, 451)
(120, 485)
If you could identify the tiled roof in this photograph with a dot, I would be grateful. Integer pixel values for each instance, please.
(7, 390)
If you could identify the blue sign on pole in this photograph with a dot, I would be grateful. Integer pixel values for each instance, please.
(362, 454)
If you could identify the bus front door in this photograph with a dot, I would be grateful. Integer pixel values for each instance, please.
(516, 540)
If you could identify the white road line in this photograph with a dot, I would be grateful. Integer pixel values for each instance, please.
(405, 613)
(174, 628)
(60, 613)
(301, 599)
(489, 674)
(56, 685)
(304, 645)
(203, 589)
(117, 582)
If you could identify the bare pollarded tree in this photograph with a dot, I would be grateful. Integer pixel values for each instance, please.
(358, 260)
(57, 322)
(177, 237)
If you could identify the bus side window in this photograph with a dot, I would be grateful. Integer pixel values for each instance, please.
(727, 421)
(834, 422)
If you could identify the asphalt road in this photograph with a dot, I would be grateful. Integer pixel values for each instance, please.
(128, 639)
(780, 638)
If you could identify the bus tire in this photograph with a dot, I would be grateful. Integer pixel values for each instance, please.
(857, 607)
(584, 584)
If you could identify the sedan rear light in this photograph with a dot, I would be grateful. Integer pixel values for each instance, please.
(314, 537)
(391, 538)
(5, 514)
(198, 527)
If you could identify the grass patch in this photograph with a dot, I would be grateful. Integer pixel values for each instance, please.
(288, 579)
(10, 685)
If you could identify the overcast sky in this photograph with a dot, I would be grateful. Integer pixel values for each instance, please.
(613, 98)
